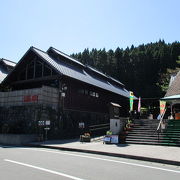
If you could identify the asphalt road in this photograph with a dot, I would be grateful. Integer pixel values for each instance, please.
(44, 164)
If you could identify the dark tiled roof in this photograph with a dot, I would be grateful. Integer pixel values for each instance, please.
(174, 89)
(85, 67)
(80, 73)
(3, 74)
(8, 62)
(4, 71)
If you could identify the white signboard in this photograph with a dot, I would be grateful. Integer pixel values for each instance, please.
(114, 139)
(48, 123)
(81, 125)
(107, 139)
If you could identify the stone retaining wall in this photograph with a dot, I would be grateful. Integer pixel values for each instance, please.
(16, 139)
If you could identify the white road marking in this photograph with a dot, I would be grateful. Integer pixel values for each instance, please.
(43, 169)
(103, 159)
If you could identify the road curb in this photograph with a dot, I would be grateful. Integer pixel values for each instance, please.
(157, 160)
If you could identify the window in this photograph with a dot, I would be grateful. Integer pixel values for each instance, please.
(116, 111)
(39, 68)
(86, 92)
(30, 70)
(80, 91)
(92, 93)
(22, 75)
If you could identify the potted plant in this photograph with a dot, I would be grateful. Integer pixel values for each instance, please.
(85, 138)
(128, 127)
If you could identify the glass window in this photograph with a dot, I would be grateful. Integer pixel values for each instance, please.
(30, 70)
(22, 75)
(39, 68)
(81, 91)
(116, 111)
(86, 92)
(97, 95)
(92, 93)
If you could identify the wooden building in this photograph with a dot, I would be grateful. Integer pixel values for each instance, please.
(172, 96)
(83, 93)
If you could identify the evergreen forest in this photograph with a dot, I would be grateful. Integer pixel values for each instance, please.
(144, 69)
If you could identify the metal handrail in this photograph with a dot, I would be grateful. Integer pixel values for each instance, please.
(98, 125)
(161, 121)
(159, 125)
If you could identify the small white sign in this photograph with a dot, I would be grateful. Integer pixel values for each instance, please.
(41, 123)
(81, 125)
(114, 139)
(107, 139)
(48, 123)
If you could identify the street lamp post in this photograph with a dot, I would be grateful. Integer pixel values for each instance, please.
(62, 95)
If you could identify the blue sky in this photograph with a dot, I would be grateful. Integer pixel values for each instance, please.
(73, 25)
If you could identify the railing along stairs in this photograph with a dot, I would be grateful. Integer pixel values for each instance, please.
(161, 125)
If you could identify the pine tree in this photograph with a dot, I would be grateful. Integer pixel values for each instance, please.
(144, 69)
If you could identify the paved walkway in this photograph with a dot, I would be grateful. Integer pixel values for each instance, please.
(162, 154)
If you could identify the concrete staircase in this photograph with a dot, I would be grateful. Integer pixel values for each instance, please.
(144, 132)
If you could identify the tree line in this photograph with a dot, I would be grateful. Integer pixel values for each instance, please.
(144, 69)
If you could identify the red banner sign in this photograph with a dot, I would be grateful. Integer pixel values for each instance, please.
(29, 98)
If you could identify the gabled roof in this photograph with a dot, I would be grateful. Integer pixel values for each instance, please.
(8, 62)
(4, 68)
(81, 74)
(174, 88)
(78, 71)
(2, 75)
(75, 61)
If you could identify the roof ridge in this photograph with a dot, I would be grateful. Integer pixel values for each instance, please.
(61, 52)
(106, 75)
(32, 47)
(8, 60)
(95, 69)
(66, 55)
